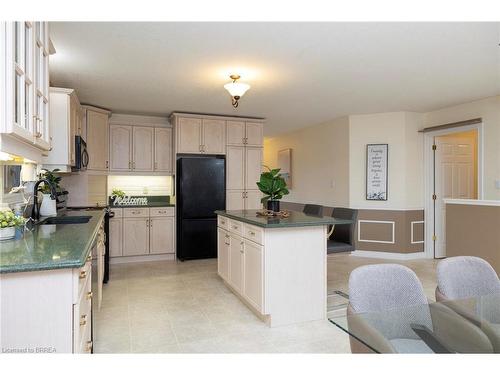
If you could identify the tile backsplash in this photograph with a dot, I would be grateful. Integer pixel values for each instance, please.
(141, 185)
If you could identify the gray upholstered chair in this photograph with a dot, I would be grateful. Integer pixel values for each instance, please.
(313, 209)
(384, 299)
(460, 281)
(342, 238)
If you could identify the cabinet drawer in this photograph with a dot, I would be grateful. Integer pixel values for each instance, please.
(254, 233)
(83, 313)
(236, 227)
(223, 222)
(83, 275)
(117, 211)
(86, 342)
(136, 212)
(162, 211)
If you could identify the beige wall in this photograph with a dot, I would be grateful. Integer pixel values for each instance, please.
(489, 110)
(320, 157)
(400, 131)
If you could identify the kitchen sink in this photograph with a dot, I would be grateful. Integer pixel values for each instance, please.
(66, 220)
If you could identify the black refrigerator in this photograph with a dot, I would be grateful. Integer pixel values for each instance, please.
(200, 190)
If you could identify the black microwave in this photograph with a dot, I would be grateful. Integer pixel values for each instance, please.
(81, 154)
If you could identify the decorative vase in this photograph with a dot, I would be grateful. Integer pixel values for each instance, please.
(48, 206)
(7, 233)
(273, 206)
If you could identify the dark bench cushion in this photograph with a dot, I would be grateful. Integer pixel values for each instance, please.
(338, 247)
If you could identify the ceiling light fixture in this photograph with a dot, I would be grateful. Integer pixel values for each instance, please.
(236, 89)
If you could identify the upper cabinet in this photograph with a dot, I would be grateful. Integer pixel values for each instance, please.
(65, 123)
(24, 82)
(140, 144)
(245, 133)
(197, 135)
(97, 138)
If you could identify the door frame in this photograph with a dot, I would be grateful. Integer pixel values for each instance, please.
(429, 177)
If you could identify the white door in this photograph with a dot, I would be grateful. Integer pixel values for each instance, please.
(235, 167)
(253, 167)
(115, 237)
(161, 235)
(253, 274)
(235, 133)
(214, 137)
(97, 140)
(235, 200)
(163, 150)
(120, 147)
(454, 178)
(223, 253)
(189, 135)
(236, 249)
(142, 156)
(254, 134)
(135, 236)
(252, 200)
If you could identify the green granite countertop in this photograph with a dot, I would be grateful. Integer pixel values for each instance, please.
(50, 247)
(296, 219)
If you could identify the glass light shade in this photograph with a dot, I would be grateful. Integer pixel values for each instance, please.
(237, 88)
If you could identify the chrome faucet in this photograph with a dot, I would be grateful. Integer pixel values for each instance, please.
(35, 213)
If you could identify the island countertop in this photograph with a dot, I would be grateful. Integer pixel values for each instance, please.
(296, 219)
(51, 246)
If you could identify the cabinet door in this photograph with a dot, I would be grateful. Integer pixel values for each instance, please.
(161, 235)
(97, 140)
(253, 167)
(188, 135)
(223, 245)
(214, 137)
(135, 236)
(235, 133)
(163, 150)
(252, 200)
(120, 147)
(236, 248)
(235, 167)
(254, 134)
(253, 273)
(235, 200)
(115, 237)
(142, 144)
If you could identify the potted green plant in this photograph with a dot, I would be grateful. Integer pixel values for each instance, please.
(8, 223)
(48, 207)
(274, 188)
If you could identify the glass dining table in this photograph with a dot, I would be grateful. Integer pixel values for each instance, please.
(470, 325)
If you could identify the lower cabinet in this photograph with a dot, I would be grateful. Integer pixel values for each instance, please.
(241, 260)
(243, 200)
(142, 231)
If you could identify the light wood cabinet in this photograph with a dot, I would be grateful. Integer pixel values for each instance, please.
(97, 138)
(252, 200)
(253, 274)
(135, 236)
(143, 143)
(161, 235)
(253, 167)
(163, 150)
(236, 250)
(235, 168)
(115, 237)
(223, 253)
(241, 133)
(254, 134)
(120, 147)
(235, 200)
(24, 83)
(200, 136)
(65, 120)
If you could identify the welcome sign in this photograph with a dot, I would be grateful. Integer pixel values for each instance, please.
(376, 172)
(129, 201)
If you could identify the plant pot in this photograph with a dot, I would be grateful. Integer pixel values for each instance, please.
(7, 233)
(273, 206)
(48, 207)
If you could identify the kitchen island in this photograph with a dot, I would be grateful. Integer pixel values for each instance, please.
(277, 266)
(46, 295)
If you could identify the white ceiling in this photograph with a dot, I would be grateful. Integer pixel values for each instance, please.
(301, 73)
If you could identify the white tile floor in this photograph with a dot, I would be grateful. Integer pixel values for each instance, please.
(174, 307)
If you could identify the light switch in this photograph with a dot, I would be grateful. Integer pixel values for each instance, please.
(332, 184)
(497, 184)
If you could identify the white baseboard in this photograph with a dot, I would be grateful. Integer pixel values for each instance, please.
(389, 255)
(141, 258)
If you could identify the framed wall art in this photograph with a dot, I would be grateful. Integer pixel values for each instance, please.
(376, 172)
